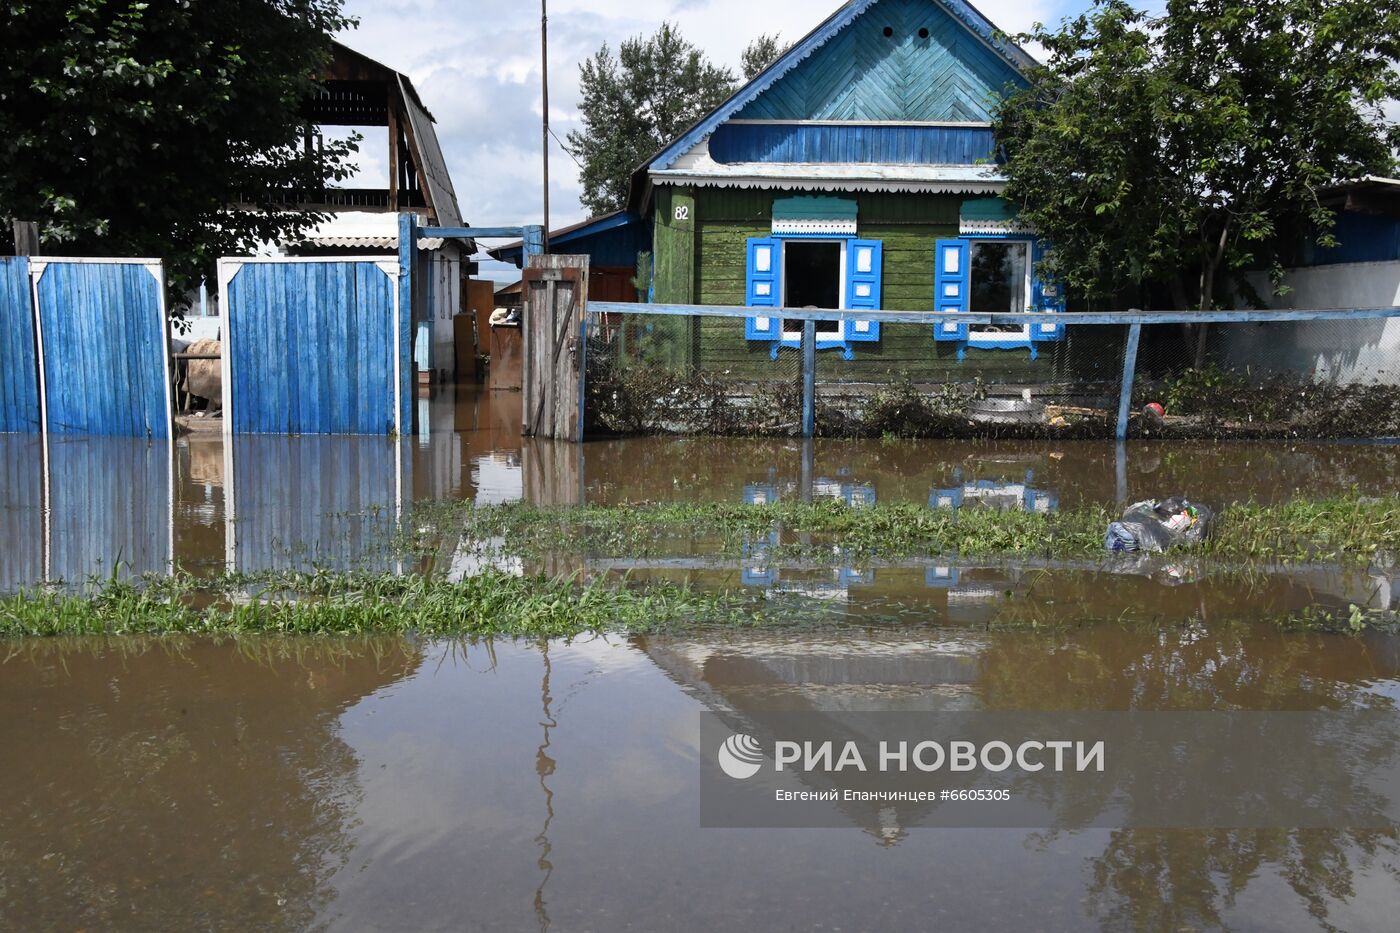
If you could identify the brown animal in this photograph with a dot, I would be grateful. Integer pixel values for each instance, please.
(204, 378)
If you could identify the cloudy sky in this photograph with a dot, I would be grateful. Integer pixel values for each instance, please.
(477, 66)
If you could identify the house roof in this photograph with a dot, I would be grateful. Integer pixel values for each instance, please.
(511, 252)
(349, 64)
(963, 12)
(361, 230)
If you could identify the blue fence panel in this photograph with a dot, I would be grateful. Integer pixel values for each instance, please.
(21, 512)
(311, 348)
(109, 505)
(286, 517)
(105, 348)
(19, 362)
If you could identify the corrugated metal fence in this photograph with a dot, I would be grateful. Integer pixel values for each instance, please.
(313, 346)
(84, 347)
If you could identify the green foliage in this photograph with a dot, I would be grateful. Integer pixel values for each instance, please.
(760, 53)
(1184, 148)
(1294, 406)
(129, 127)
(636, 102)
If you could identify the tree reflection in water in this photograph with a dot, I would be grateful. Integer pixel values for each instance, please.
(1157, 879)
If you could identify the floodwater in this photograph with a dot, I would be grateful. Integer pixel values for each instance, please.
(391, 784)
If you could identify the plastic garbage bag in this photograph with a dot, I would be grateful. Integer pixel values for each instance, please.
(1157, 525)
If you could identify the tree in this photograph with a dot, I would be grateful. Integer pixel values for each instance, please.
(129, 128)
(759, 54)
(634, 104)
(1182, 150)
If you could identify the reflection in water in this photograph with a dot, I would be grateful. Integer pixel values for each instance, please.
(179, 783)
(380, 786)
(333, 502)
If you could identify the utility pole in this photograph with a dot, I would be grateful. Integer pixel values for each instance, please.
(544, 74)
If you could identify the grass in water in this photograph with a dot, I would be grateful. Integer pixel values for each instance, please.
(1347, 529)
(492, 604)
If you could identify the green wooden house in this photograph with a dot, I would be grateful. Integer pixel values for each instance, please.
(857, 172)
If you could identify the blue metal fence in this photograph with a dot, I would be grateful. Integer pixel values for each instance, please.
(19, 366)
(103, 347)
(314, 346)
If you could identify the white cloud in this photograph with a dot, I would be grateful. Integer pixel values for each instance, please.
(477, 67)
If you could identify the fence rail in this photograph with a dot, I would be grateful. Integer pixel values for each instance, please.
(1331, 372)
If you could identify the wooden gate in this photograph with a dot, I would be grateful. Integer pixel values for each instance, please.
(556, 296)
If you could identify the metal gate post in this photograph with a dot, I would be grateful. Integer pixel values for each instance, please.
(405, 364)
(1125, 397)
(809, 378)
(534, 241)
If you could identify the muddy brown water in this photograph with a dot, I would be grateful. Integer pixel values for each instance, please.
(392, 784)
(74, 508)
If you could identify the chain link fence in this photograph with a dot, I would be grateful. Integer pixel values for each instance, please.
(699, 373)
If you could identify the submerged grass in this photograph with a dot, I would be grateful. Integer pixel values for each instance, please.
(1348, 529)
(492, 604)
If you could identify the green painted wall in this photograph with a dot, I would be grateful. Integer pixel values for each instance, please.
(702, 261)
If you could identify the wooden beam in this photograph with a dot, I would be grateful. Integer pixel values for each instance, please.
(26, 238)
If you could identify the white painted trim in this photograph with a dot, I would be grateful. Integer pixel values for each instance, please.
(947, 124)
(170, 501)
(230, 512)
(975, 336)
(286, 260)
(829, 184)
(395, 324)
(36, 272)
(93, 261)
(157, 270)
(227, 269)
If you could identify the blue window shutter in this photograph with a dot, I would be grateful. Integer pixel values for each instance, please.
(761, 289)
(1046, 295)
(951, 281)
(864, 273)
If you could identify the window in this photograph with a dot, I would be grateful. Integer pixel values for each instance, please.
(812, 278)
(1000, 283)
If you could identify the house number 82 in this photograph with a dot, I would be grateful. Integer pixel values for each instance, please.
(683, 212)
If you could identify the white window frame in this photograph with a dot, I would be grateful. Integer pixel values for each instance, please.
(975, 336)
(793, 338)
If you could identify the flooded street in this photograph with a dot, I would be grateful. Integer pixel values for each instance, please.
(386, 785)
(257, 503)
(391, 784)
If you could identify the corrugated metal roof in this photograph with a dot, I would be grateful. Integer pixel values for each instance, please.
(363, 230)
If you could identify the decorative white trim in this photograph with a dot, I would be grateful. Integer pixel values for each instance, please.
(157, 271)
(994, 228)
(947, 124)
(227, 269)
(830, 184)
(805, 228)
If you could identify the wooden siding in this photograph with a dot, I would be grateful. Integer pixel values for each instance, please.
(860, 74)
(908, 226)
(312, 348)
(897, 145)
(105, 349)
(19, 366)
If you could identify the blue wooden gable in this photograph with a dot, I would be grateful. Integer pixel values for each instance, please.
(848, 70)
(905, 60)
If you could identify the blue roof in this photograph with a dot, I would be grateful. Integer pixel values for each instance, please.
(962, 12)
